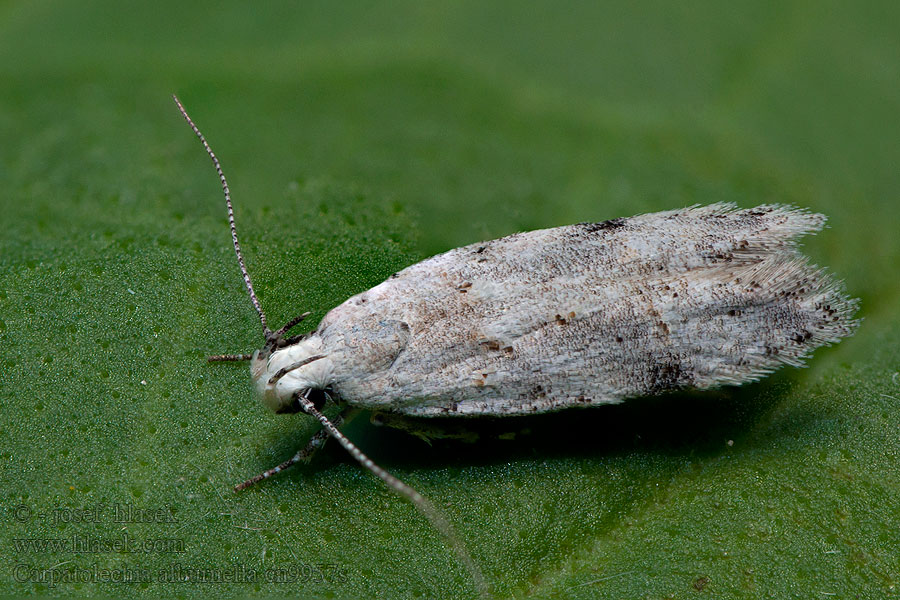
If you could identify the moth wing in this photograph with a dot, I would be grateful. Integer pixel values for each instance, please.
(598, 312)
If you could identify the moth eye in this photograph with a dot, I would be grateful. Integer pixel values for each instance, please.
(316, 396)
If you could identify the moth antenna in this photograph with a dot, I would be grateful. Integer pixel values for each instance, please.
(234, 237)
(424, 505)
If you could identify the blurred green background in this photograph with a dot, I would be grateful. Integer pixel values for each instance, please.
(359, 138)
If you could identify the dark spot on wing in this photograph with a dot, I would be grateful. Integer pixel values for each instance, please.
(668, 376)
(801, 336)
(603, 225)
(535, 393)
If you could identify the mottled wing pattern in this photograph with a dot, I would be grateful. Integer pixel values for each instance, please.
(598, 312)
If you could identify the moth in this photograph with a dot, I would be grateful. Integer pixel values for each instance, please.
(574, 316)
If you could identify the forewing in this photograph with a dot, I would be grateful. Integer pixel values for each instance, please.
(598, 312)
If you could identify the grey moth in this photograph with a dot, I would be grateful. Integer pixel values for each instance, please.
(575, 316)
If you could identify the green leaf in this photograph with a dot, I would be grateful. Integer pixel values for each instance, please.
(357, 140)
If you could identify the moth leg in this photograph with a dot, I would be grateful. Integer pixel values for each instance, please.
(464, 430)
(290, 324)
(427, 429)
(229, 357)
(315, 443)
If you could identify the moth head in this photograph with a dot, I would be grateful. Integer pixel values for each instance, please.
(286, 367)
